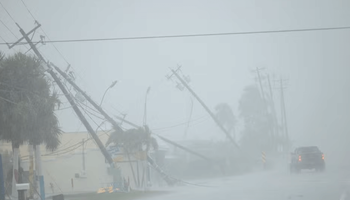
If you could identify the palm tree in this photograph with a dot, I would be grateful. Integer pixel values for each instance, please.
(133, 140)
(225, 115)
(27, 105)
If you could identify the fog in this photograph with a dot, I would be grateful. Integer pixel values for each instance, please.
(314, 63)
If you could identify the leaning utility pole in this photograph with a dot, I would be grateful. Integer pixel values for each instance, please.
(69, 98)
(206, 108)
(110, 119)
(283, 106)
(166, 177)
(169, 141)
(66, 94)
(273, 132)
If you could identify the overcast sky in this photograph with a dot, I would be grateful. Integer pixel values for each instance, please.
(316, 64)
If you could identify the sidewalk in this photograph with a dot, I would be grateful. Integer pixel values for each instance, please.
(111, 196)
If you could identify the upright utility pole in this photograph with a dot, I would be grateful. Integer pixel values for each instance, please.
(264, 97)
(260, 83)
(206, 108)
(68, 96)
(283, 106)
(83, 155)
(273, 109)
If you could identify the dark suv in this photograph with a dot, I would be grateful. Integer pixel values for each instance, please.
(309, 157)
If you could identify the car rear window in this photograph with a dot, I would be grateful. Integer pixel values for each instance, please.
(308, 150)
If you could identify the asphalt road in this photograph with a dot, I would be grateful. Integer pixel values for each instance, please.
(278, 184)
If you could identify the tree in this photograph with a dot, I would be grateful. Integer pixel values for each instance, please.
(225, 115)
(27, 104)
(253, 111)
(133, 140)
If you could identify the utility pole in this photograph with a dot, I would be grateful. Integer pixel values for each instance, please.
(205, 107)
(272, 127)
(31, 171)
(284, 111)
(170, 142)
(88, 98)
(116, 127)
(68, 96)
(70, 100)
(83, 153)
(114, 123)
(260, 83)
(284, 124)
(273, 109)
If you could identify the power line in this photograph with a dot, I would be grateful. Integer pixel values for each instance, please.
(198, 121)
(28, 9)
(7, 12)
(191, 35)
(9, 101)
(8, 30)
(2, 39)
(25, 5)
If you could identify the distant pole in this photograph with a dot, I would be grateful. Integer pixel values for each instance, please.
(2, 186)
(275, 123)
(145, 107)
(270, 88)
(206, 108)
(38, 169)
(272, 131)
(83, 155)
(31, 170)
(263, 159)
(284, 112)
(260, 83)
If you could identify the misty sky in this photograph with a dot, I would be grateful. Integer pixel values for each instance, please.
(315, 63)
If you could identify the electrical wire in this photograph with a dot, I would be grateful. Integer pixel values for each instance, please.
(28, 9)
(180, 124)
(193, 35)
(20, 88)
(89, 112)
(8, 30)
(189, 118)
(7, 12)
(2, 39)
(86, 112)
(25, 5)
(9, 101)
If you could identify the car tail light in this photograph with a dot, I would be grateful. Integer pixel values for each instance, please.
(299, 158)
(322, 156)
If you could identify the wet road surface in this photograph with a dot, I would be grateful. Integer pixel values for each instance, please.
(270, 185)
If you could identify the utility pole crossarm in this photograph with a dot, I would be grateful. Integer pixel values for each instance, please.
(18, 41)
(206, 108)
